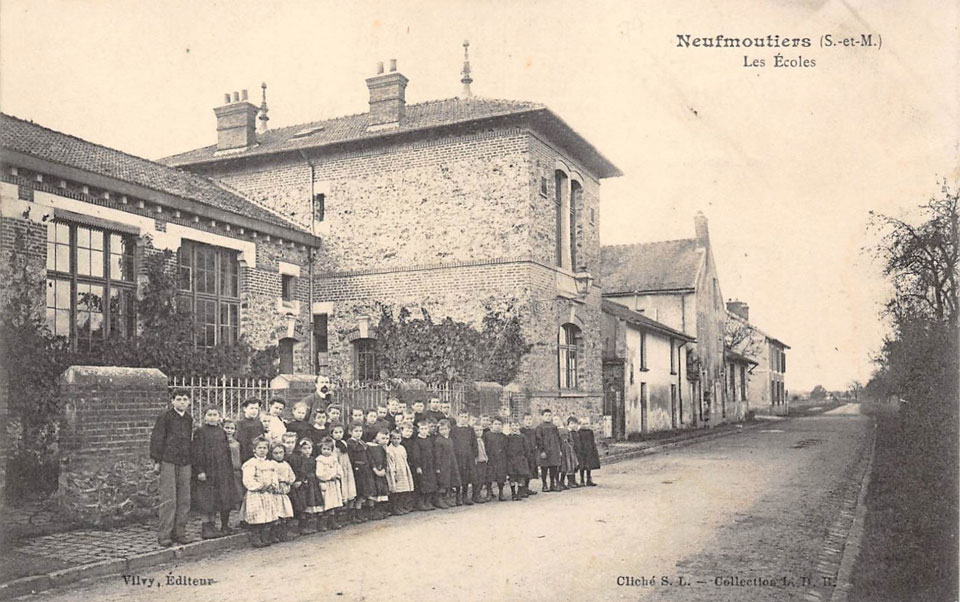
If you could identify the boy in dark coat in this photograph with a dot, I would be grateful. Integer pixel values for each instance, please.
(299, 424)
(249, 428)
(465, 449)
(495, 443)
(548, 449)
(518, 468)
(530, 434)
(362, 472)
(422, 464)
(434, 412)
(215, 488)
(170, 448)
(590, 460)
(446, 462)
(418, 413)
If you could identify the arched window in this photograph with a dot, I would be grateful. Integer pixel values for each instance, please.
(570, 351)
(365, 360)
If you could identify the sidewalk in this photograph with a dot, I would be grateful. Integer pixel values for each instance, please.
(38, 563)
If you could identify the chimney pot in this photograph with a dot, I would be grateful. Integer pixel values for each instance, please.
(393, 65)
(236, 96)
(236, 123)
(243, 95)
(379, 67)
(387, 95)
(226, 98)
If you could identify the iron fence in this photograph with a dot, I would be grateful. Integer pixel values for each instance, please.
(224, 392)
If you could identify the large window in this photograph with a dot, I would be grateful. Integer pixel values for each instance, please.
(90, 284)
(209, 278)
(560, 199)
(365, 359)
(570, 352)
(576, 192)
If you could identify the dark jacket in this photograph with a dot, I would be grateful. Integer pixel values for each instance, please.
(518, 457)
(211, 457)
(171, 438)
(301, 427)
(533, 457)
(590, 460)
(496, 445)
(446, 463)
(423, 459)
(465, 449)
(248, 429)
(548, 443)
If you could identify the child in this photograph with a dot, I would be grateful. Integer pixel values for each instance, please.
(481, 466)
(215, 491)
(548, 450)
(318, 431)
(532, 458)
(393, 413)
(445, 410)
(408, 440)
(285, 481)
(402, 407)
(423, 467)
(434, 412)
(305, 494)
(170, 450)
(348, 485)
(356, 417)
(372, 426)
(573, 425)
(329, 475)
(485, 423)
(448, 477)
(249, 428)
(230, 428)
(418, 413)
(591, 457)
(299, 424)
(333, 414)
(496, 444)
(399, 477)
(568, 459)
(260, 481)
(362, 473)
(289, 442)
(377, 455)
(517, 466)
(465, 450)
(272, 423)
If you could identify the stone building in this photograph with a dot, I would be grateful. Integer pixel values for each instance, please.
(643, 373)
(675, 283)
(767, 383)
(457, 206)
(90, 215)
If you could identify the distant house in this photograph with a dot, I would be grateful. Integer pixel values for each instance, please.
(675, 283)
(643, 373)
(767, 383)
(738, 371)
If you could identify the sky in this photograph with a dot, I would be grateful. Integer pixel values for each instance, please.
(786, 163)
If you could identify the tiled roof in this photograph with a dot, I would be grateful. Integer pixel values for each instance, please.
(654, 266)
(417, 117)
(43, 143)
(637, 318)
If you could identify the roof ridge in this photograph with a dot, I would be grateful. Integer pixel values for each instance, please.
(652, 242)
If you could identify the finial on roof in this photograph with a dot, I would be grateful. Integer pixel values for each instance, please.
(466, 80)
(264, 118)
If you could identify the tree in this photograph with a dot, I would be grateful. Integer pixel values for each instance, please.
(855, 388)
(740, 336)
(818, 393)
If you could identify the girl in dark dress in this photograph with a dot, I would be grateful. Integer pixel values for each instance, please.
(214, 487)
(533, 459)
(362, 473)
(446, 460)
(465, 448)
(378, 464)
(518, 467)
(495, 443)
(306, 489)
(422, 464)
(590, 460)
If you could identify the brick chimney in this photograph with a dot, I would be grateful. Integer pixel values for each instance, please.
(700, 226)
(387, 95)
(739, 308)
(236, 122)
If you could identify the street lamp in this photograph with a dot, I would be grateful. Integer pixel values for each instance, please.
(583, 280)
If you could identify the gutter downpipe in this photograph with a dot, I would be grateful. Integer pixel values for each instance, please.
(313, 231)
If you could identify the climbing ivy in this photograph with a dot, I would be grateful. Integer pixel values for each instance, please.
(450, 351)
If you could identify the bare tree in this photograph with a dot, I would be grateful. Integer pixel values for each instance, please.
(741, 337)
(855, 388)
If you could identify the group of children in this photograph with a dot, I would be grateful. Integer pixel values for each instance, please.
(301, 476)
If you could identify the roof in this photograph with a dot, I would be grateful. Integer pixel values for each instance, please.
(754, 327)
(670, 265)
(56, 147)
(733, 356)
(638, 319)
(417, 118)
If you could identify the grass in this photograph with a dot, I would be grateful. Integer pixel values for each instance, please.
(909, 548)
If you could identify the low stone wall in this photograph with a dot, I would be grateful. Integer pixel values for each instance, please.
(106, 475)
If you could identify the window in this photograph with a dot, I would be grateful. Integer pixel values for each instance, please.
(319, 206)
(673, 358)
(319, 338)
(90, 284)
(733, 382)
(560, 198)
(643, 350)
(209, 279)
(575, 194)
(631, 372)
(743, 383)
(783, 361)
(288, 287)
(543, 187)
(569, 355)
(365, 359)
